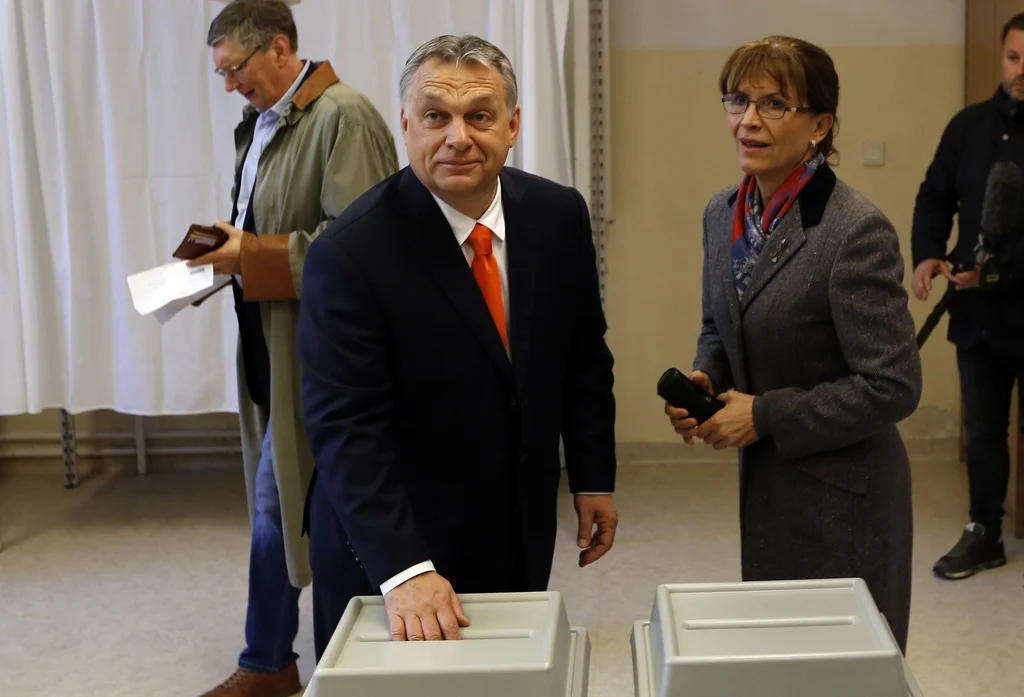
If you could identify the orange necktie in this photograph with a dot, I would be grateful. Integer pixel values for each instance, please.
(485, 271)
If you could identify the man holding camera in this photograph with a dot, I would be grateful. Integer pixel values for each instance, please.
(975, 175)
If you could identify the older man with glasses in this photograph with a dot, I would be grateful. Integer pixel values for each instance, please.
(307, 146)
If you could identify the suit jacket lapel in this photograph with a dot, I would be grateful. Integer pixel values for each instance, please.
(445, 263)
(523, 249)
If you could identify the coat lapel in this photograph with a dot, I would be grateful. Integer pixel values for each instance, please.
(791, 234)
(523, 248)
(445, 263)
(732, 299)
(782, 245)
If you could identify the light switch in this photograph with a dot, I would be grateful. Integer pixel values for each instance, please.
(872, 153)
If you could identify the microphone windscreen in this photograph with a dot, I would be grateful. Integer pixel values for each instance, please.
(1000, 210)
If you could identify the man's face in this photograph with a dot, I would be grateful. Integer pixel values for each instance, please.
(255, 80)
(1013, 64)
(458, 129)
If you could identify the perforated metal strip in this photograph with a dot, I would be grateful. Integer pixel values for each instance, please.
(599, 150)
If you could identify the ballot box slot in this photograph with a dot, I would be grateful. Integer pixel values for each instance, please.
(468, 634)
(770, 623)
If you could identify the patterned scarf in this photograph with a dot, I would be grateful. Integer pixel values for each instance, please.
(751, 227)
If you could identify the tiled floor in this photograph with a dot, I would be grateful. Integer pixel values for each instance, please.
(136, 586)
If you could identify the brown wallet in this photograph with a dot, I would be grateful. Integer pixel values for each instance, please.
(200, 240)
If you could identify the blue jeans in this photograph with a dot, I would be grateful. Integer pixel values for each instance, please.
(272, 619)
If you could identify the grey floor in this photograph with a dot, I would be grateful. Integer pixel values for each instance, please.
(137, 586)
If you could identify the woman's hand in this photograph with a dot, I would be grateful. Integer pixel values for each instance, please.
(680, 418)
(733, 426)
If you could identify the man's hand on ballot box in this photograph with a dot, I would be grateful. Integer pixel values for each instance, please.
(425, 608)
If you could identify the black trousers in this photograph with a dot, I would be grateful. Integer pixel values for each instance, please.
(986, 387)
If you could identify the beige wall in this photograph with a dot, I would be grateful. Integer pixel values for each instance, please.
(671, 151)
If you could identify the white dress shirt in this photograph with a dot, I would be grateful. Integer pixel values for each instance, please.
(462, 225)
(266, 126)
(494, 219)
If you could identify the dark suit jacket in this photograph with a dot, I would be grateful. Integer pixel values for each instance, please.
(428, 441)
(824, 341)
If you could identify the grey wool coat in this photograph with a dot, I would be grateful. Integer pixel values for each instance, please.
(825, 342)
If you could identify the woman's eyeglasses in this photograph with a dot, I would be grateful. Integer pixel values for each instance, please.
(767, 107)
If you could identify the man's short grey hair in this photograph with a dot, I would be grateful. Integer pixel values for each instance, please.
(254, 24)
(457, 50)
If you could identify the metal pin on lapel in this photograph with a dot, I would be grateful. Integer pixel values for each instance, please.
(778, 252)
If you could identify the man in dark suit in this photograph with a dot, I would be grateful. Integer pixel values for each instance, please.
(451, 330)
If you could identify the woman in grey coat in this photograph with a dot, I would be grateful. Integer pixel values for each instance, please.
(807, 337)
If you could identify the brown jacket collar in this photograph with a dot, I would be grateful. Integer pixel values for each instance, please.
(314, 85)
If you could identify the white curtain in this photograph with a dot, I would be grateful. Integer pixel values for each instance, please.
(115, 136)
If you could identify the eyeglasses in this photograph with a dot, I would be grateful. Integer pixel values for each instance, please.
(232, 72)
(767, 107)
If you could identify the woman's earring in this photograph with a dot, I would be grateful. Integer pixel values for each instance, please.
(814, 143)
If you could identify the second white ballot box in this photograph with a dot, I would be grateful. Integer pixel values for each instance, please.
(517, 645)
(770, 639)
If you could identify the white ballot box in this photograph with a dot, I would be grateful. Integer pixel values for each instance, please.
(517, 645)
(770, 639)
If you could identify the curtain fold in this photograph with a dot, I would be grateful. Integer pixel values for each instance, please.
(115, 136)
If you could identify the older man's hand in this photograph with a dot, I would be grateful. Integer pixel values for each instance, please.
(226, 259)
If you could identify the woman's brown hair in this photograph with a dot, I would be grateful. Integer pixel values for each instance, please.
(803, 71)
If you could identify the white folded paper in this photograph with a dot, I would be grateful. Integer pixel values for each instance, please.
(167, 290)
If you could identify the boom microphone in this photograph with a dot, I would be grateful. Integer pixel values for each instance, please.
(1000, 209)
(1000, 220)
(1000, 216)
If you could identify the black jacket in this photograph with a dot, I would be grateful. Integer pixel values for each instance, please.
(429, 442)
(976, 138)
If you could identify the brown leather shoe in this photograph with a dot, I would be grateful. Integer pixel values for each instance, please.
(247, 683)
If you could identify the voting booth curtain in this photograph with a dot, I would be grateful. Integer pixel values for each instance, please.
(115, 136)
